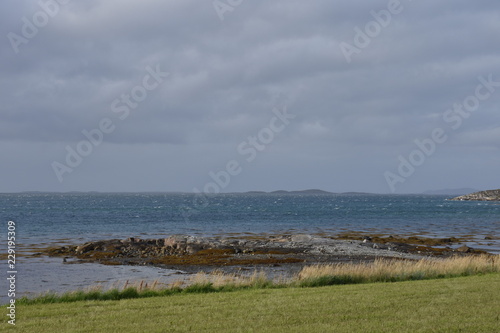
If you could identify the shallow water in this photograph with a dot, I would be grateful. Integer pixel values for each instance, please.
(37, 275)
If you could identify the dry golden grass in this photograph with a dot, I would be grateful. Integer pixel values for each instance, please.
(341, 273)
(220, 279)
(395, 270)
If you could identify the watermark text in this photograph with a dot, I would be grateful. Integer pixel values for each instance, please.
(122, 107)
(248, 149)
(31, 26)
(11, 272)
(453, 117)
(225, 6)
(372, 29)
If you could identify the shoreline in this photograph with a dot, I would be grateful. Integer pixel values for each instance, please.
(280, 255)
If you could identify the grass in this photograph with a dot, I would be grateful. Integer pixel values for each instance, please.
(464, 304)
(381, 270)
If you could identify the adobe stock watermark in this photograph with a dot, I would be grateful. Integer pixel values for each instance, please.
(248, 149)
(11, 272)
(453, 117)
(122, 107)
(224, 6)
(30, 27)
(363, 37)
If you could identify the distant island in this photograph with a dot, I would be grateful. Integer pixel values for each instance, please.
(489, 195)
(450, 191)
(311, 191)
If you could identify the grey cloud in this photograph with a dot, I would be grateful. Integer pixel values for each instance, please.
(225, 77)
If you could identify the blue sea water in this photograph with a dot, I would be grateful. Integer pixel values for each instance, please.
(75, 217)
(47, 219)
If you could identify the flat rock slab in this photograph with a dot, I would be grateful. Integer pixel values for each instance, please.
(181, 251)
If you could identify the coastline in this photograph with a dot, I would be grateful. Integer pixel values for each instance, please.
(281, 255)
(111, 263)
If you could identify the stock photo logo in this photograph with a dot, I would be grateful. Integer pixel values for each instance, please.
(31, 26)
(453, 118)
(122, 107)
(225, 6)
(249, 150)
(372, 29)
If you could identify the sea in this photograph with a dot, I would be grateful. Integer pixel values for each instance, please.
(54, 219)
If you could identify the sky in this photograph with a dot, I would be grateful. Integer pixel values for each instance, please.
(239, 95)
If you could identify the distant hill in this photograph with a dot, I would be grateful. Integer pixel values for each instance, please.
(489, 195)
(448, 191)
(311, 191)
(357, 193)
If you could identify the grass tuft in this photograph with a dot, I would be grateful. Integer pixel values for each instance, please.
(200, 288)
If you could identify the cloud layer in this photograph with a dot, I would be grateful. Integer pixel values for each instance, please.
(353, 119)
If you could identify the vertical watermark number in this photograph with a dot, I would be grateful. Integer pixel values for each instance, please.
(11, 272)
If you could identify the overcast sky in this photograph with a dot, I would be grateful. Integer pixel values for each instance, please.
(264, 94)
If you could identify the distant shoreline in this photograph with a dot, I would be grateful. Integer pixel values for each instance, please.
(311, 191)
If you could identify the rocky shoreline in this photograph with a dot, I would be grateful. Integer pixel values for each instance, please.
(268, 252)
(489, 195)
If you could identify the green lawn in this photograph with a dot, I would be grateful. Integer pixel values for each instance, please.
(466, 304)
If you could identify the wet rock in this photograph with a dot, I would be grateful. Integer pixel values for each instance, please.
(301, 238)
(447, 240)
(193, 248)
(229, 242)
(176, 243)
(464, 249)
(87, 247)
(280, 239)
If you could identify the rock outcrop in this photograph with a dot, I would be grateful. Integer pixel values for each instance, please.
(490, 195)
(183, 251)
